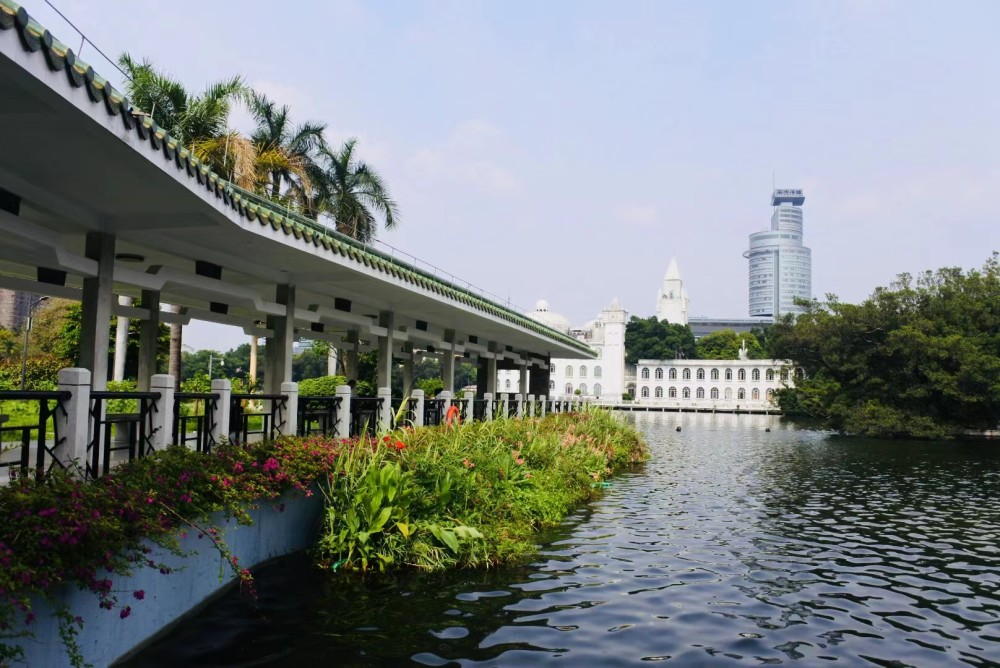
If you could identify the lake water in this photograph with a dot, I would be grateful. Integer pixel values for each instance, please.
(733, 546)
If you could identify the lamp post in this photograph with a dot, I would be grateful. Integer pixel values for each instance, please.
(27, 331)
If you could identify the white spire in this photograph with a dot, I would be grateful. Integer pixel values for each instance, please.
(673, 273)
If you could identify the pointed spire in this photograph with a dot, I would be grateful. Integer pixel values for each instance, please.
(673, 273)
(615, 305)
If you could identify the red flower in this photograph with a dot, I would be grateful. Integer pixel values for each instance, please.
(400, 445)
(139, 594)
(126, 611)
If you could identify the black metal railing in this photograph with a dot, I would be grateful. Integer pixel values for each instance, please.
(17, 441)
(434, 410)
(318, 415)
(270, 416)
(132, 432)
(195, 428)
(479, 409)
(365, 412)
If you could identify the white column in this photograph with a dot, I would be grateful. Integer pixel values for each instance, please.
(504, 401)
(445, 396)
(488, 410)
(417, 397)
(331, 362)
(121, 340)
(523, 380)
(279, 346)
(385, 408)
(386, 346)
(74, 426)
(149, 334)
(544, 403)
(163, 417)
(519, 405)
(344, 411)
(468, 406)
(254, 342)
(95, 325)
(291, 424)
(220, 429)
(531, 405)
(448, 369)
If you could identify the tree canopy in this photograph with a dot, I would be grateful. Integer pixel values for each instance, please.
(725, 345)
(920, 358)
(653, 339)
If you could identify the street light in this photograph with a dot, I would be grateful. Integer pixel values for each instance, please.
(27, 330)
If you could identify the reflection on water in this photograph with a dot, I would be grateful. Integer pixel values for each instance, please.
(734, 545)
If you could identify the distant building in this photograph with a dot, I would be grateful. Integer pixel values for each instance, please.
(703, 326)
(780, 266)
(14, 307)
(672, 302)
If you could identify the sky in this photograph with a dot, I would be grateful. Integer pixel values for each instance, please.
(567, 149)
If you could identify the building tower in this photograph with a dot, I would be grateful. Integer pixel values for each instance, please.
(780, 266)
(613, 320)
(672, 302)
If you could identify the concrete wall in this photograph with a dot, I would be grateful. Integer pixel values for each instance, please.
(105, 637)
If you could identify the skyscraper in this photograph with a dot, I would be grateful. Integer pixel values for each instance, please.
(780, 266)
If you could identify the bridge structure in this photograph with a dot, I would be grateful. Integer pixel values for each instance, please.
(97, 203)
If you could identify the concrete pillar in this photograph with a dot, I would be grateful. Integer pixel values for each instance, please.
(254, 345)
(220, 426)
(519, 405)
(488, 410)
(385, 408)
(95, 328)
(523, 380)
(417, 397)
(343, 424)
(446, 397)
(531, 405)
(542, 404)
(504, 405)
(352, 353)
(279, 347)
(74, 425)
(331, 362)
(149, 335)
(491, 375)
(408, 369)
(448, 361)
(386, 346)
(291, 425)
(468, 406)
(121, 341)
(163, 416)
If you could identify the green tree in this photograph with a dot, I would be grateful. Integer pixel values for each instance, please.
(10, 344)
(918, 359)
(655, 339)
(287, 153)
(725, 345)
(352, 193)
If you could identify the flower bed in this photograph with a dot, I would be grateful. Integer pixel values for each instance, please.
(429, 498)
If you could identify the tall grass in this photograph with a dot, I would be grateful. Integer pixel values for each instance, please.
(470, 495)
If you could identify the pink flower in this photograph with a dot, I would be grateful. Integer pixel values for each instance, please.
(238, 467)
(519, 461)
(139, 594)
(126, 611)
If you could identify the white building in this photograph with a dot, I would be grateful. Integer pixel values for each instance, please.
(672, 302)
(780, 266)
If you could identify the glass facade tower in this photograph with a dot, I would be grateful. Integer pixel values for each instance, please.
(780, 266)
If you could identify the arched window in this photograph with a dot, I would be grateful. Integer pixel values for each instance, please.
(659, 373)
(755, 394)
(800, 373)
(507, 384)
(583, 388)
(673, 374)
(715, 374)
(741, 393)
(583, 372)
(729, 393)
(597, 388)
(568, 388)
(645, 392)
(552, 384)
(686, 374)
(645, 373)
(715, 393)
(597, 372)
(658, 393)
(755, 374)
(700, 375)
(741, 374)
(729, 374)
(672, 393)
(784, 374)
(686, 393)
(569, 371)
(700, 393)
(769, 394)
(769, 375)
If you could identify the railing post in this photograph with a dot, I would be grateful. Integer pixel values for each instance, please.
(220, 424)
(469, 411)
(531, 405)
(343, 427)
(163, 417)
(384, 409)
(74, 426)
(519, 405)
(488, 408)
(417, 397)
(504, 405)
(541, 405)
(291, 424)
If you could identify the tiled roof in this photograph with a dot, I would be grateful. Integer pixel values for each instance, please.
(36, 38)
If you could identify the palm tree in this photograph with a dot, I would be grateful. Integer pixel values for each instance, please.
(286, 154)
(352, 193)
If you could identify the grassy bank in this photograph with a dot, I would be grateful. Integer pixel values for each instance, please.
(468, 496)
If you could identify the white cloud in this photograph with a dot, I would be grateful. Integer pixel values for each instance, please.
(637, 214)
(471, 154)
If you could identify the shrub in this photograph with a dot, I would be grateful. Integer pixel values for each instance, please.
(324, 386)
